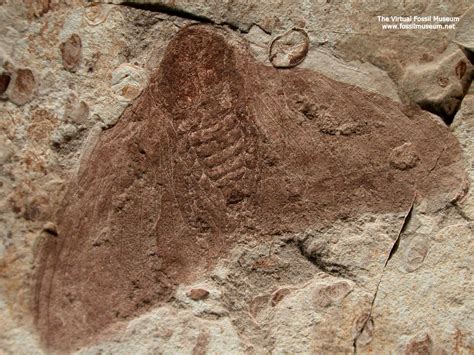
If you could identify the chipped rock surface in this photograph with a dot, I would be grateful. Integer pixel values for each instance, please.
(440, 85)
(280, 177)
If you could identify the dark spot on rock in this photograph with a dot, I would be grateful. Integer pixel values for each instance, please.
(4, 82)
(445, 108)
(202, 343)
(308, 109)
(50, 228)
(461, 68)
(197, 294)
(420, 345)
(141, 149)
(22, 86)
(71, 52)
(426, 58)
(443, 81)
(278, 295)
(235, 197)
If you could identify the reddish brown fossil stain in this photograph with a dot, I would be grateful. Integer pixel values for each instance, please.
(71, 52)
(461, 68)
(197, 294)
(217, 147)
(421, 344)
(21, 89)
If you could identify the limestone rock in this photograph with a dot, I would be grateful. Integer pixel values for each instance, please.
(464, 35)
(349, 230)
(463, 128)
(422, 294)
(440, 85)
(170, 331)
(76, 112)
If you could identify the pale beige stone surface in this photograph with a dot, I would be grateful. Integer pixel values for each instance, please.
(264, 297)
(439, 85)
(423, 291)
(464, 31)
(463, 128)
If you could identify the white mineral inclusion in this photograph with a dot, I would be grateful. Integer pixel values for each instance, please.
(127, 82)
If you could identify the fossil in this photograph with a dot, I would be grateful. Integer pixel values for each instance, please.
(289, 49)
(214, 149)
(127, 82)
(95, 14)
(71, 51)
(22, 86)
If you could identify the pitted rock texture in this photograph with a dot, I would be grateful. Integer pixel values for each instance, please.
(216, 150)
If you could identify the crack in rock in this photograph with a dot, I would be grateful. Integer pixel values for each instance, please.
(393, 250)
(180, 13)
(168, 10)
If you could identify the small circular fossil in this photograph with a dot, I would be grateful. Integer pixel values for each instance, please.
(127, 82)
(95, 14)
(289, 49)
(443, 81)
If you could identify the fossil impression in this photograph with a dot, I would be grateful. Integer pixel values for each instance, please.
(219, 148)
